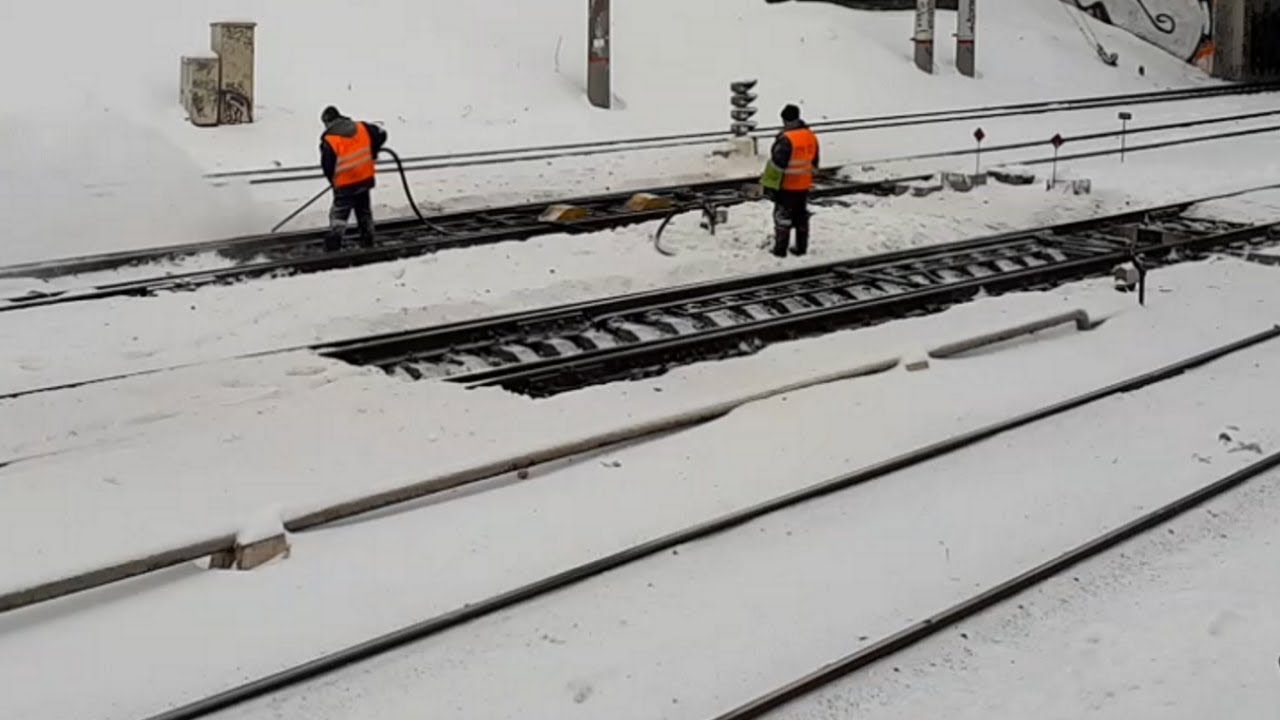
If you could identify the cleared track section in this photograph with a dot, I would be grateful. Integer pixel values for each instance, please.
(566, 347)
(299, 253)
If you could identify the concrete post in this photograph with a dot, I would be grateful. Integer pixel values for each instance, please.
(1228, 39)
(966, 37)
(200, 90)
(599, 89)
(233, 44)
(1262, 42)
(926, 11)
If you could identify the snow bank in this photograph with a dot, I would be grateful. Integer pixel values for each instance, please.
(105, 159)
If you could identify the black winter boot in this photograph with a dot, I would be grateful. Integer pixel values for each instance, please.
(802, 241)
(781, 239)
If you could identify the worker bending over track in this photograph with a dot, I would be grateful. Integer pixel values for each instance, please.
(788, 178)
(348, 150)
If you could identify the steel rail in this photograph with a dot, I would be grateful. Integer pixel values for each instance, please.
(473, 611)
(867, 123)
(660, 297)
(987, 599)
(370, 349)
(417, 166)
(353, 350)
(264, 241)
(547, 375)
(80, 583)
(1086, 137)
(295, 240)
(429, 242)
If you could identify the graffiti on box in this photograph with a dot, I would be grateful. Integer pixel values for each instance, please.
(1181, 27)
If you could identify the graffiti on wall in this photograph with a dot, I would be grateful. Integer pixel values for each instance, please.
(1181, 27)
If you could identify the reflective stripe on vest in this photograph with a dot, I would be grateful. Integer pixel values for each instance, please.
(798, 174)
(355, 157)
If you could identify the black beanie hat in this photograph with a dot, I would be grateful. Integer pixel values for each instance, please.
(329, 115)
(790, 112)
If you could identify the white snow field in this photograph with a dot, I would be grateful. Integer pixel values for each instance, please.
(99, 155)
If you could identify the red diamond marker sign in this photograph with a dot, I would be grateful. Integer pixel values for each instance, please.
(979, 135)
(1057, 140)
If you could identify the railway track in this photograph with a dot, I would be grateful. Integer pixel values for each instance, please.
(883, 122)
(566, 347)
(554, 349)
(296, 676)
(299, 253)
(889, 646)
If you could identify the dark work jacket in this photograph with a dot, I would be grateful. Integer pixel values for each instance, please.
(346, 127)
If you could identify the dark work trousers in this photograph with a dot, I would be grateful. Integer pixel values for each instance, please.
(791, 210)
(343, 203)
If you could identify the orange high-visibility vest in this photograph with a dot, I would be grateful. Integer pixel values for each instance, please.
(798, 174)
(355, 157)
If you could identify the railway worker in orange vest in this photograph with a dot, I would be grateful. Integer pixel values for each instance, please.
(348, 151)
(789, 177)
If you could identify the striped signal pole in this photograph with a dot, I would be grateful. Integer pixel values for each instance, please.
(966, 36)
(599, 89)
(926, 13)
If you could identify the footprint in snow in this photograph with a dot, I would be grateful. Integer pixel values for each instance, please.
(581, 691)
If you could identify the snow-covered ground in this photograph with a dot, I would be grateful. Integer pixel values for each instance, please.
(111, 162)
(62, 344)
(211, 456)
(1180, 623)
(98, 157)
